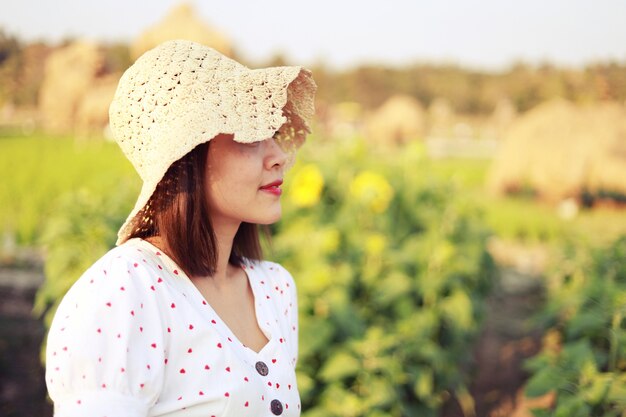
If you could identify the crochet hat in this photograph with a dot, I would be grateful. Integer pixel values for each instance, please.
(181, 94)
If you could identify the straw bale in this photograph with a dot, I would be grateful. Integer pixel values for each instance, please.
(343, 119)
(440, 118)
(399, 120)
(181, 23)
(502, 117)
(69, 72)
(92, 116)
(560, 150)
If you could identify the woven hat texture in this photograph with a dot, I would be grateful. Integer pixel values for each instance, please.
(181, 94)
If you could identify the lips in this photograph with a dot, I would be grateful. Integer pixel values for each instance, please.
(273, 187)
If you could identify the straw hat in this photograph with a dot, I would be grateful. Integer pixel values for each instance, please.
(181, 94)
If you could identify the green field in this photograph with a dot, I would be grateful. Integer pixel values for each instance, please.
(38, 170)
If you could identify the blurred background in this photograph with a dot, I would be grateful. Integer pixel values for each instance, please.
(456, 223)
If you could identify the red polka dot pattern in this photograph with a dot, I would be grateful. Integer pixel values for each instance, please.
(133, 336)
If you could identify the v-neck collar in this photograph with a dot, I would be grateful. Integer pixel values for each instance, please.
(248, 269)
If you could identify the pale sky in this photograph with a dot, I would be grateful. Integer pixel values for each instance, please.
(487, 34)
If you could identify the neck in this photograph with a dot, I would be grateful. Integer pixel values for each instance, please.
(224, 235)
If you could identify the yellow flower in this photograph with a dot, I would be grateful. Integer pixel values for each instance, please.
(330, 240)
(306, 186)
(375, 243)
(372, 190)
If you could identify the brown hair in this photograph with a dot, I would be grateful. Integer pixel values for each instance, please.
(179, 215)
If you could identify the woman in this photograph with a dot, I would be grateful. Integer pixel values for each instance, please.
(183, 318)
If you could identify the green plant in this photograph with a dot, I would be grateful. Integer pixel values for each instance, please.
(585, 362)
(392, 274)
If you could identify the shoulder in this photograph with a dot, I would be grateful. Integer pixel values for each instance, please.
(125, 269)
(275, 283)
(102, 331)
(127, 253)
(273, 273)
(129, 258)
(117, 290)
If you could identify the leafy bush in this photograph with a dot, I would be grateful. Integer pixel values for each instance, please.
(584, 356)
(392, 274)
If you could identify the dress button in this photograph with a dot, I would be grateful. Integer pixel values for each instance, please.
(276, 407)
(261, 368)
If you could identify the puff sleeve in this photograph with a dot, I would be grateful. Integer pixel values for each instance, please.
(105, 348)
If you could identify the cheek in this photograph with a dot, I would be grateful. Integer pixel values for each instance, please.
(234, 180)
(234, 174)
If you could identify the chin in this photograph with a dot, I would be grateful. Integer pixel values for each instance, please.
(270, 221)
(269, 218)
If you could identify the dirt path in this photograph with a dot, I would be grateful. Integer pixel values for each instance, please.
(22, 387)
(506, 341)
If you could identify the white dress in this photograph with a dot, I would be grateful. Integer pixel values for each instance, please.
(134, 337)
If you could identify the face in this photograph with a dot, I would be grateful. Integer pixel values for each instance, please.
(243, 180)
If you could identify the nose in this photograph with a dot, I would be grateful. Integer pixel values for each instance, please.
(275, 155)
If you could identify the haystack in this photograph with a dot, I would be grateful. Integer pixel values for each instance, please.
(440, 118)
(502, 117)
(92, 114)
(342, 119)
(181, 23)
(399, 120)
(560, 150)
(69, 72)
